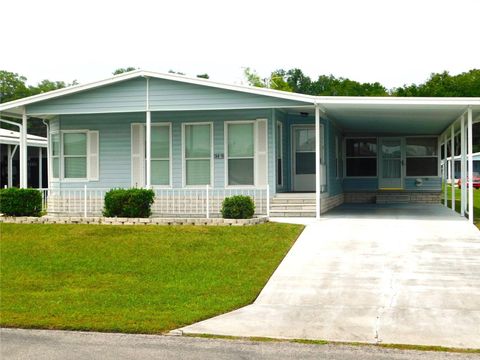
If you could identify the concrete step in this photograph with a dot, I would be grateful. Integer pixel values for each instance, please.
(291, 213)
(292, 207)
(292, 201)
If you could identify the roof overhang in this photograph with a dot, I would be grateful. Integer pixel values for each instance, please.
(10, 137)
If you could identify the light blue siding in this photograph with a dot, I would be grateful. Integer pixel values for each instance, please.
(428, 184)
(360, 184)
(164, 95)
(127, 96)
(115, 142)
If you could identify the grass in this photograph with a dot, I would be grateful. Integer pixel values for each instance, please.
(476, 202)
(147, 279)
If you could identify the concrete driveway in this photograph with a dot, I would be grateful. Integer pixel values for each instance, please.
(404, 274)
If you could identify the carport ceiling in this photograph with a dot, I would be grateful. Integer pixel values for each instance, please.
(394, 118)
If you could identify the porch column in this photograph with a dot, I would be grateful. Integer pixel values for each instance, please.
(317, 163)
(446, 165)
(470, 166)
(40, 167)
(463, 190)
(452, 165)
(23, 151)
(9, 166)
(148, 147)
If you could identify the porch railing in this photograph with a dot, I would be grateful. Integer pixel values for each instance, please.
(198, 202)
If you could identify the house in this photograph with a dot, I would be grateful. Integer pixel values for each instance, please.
(458, 166)
(9, 159)
(195, 141)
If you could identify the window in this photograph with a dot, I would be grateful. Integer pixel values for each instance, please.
(160, 155)
(198, 154)
(75, 155)
(55, 154)
(240, 153)
(422, 157)
(361, 157)
(279, 152)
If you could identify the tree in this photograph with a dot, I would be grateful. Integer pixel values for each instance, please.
(123, 70)
(442, 84)
(12, 86)
(253, 78)
(203, 76)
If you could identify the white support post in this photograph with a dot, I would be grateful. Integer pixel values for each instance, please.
(317, 163)
(463, 168)
(40, 167)
(208, 202)
(85, 200)
(470, 166)
(268, 201)
(9, 166)
(452, 166)
(23, 151)
(446, 165)
(148, 147)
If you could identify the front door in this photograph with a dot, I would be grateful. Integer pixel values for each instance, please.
(303, 158)
(391, 164)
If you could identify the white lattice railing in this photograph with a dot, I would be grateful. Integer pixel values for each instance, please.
(198, 202)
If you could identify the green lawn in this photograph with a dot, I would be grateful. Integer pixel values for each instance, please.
(476, 203)
(133, 279)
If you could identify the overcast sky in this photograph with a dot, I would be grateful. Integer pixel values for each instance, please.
(393, 42)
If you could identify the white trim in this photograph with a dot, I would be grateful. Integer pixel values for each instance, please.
(148, 149)
(470, 165)
(318, 167)
(212, 157)
(225, 142)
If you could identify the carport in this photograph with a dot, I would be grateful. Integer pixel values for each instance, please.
(402, 123)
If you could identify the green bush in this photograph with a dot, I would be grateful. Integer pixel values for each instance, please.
(238, 207)
(20, 202)
(128, 203)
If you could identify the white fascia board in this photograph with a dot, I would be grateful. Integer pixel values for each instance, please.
(361, 100)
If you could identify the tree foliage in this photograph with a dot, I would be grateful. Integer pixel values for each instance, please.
(443, 84)
(439, 84)
(123, 70)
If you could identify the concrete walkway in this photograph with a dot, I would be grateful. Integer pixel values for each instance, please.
(393, 274)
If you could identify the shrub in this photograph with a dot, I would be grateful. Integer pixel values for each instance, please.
(128, 203)
(238, 207)
(20, 202)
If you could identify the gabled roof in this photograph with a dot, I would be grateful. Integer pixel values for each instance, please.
(150, 74)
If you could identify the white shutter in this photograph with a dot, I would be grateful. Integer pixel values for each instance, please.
(138, 155)
(261, 158)
(323, 160)
(93, 155)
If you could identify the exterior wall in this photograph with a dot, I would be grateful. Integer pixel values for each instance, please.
(164, 95)
(115, 142)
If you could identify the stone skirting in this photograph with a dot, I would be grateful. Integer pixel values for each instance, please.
(414, 197)
(132, 221)
(331, 202)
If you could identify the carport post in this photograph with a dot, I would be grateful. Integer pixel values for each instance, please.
(23, 150)
(463, 189)
(470, 166)
(9, 165)
(317, 162)
(452, 165)
(446, 164)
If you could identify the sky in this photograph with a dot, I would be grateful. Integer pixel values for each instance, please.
(393, 42)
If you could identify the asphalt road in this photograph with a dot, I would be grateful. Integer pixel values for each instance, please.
(47, 344)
